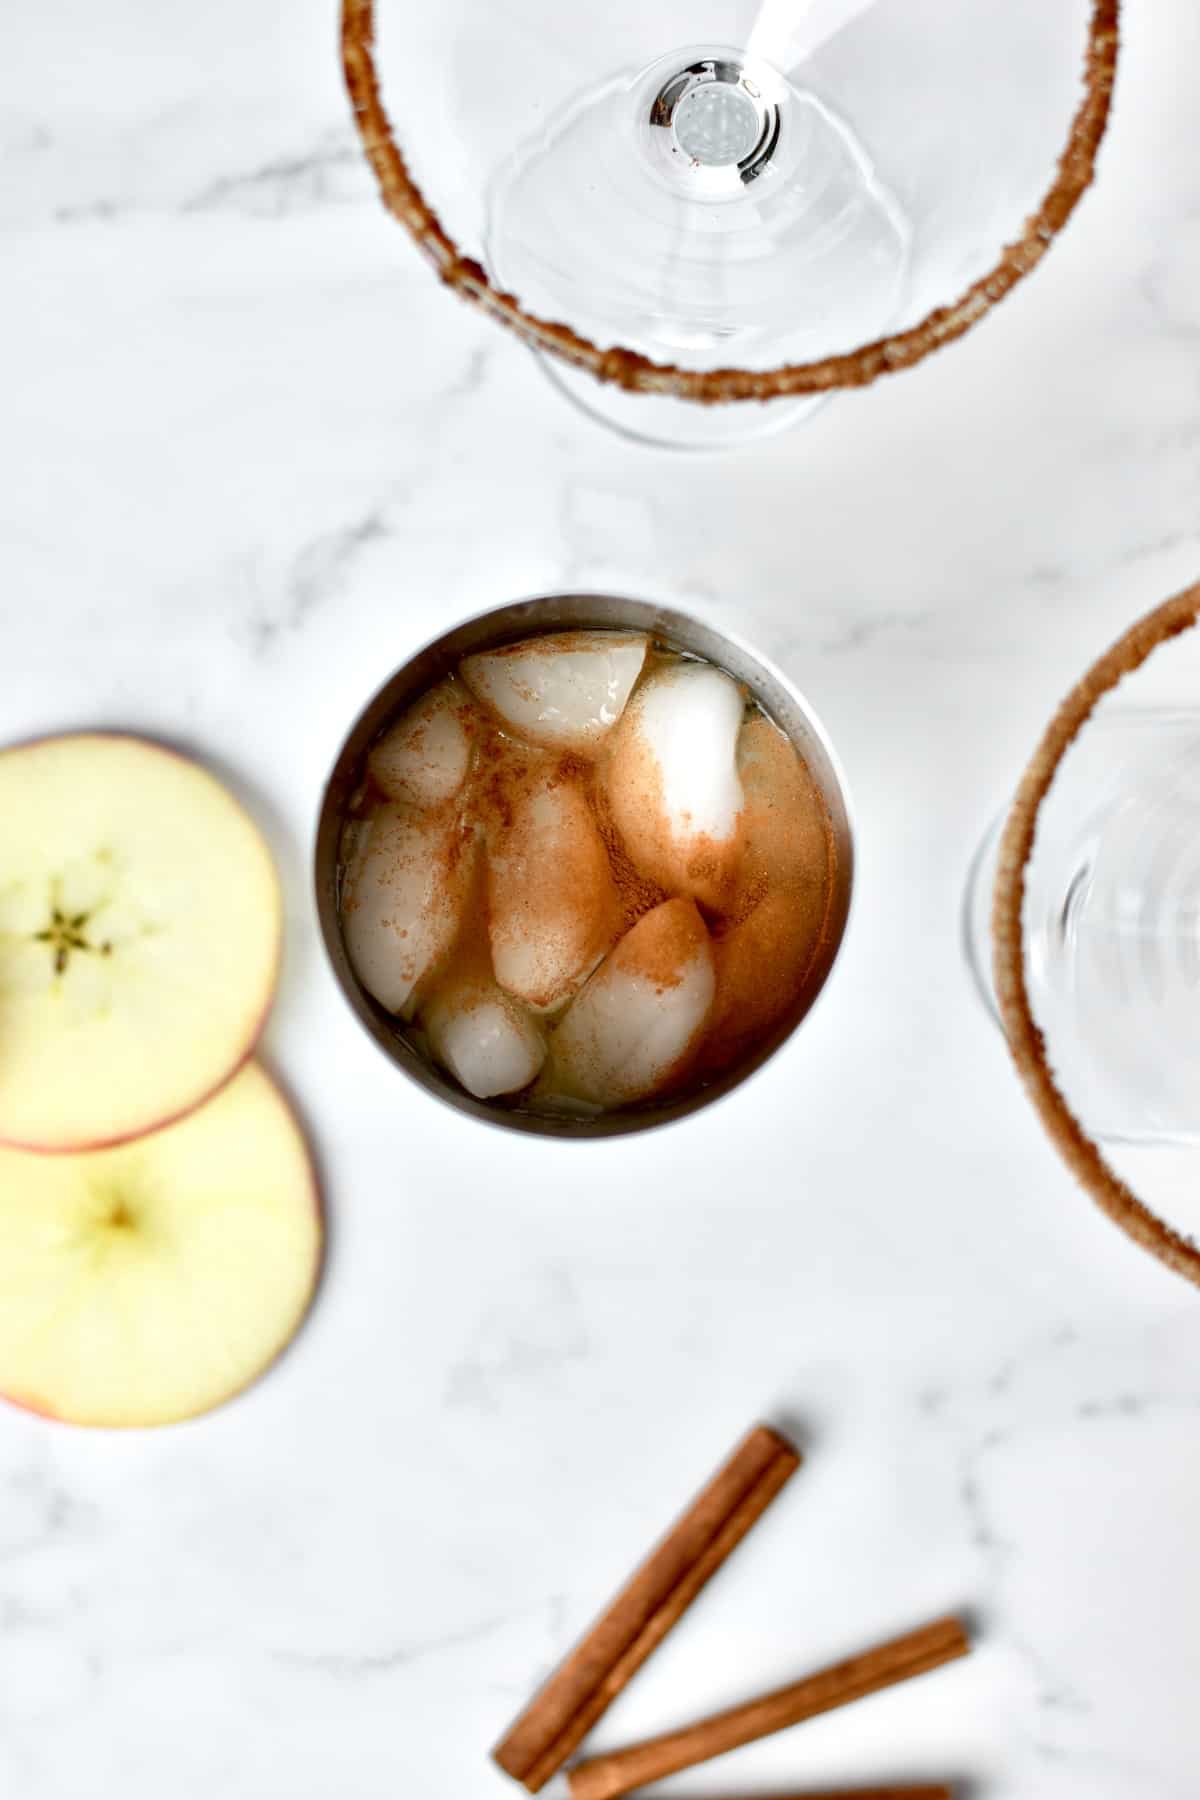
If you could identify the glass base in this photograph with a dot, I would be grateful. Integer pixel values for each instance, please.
(669, 424)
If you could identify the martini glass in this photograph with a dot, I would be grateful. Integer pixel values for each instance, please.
(707, 215)
(1083, 929)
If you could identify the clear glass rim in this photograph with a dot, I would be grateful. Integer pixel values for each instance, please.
(627, 368)
(1025, 1040)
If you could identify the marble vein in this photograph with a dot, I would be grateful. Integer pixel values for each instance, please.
(355, 1666)
(329, 174)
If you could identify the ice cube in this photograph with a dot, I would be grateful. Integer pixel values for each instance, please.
(403, 902)
(672, 780)
(483, 1036)
(760, 967)
(552, 906)
(636, 1025)
(562, 692)
(785, 827)
(423, 759)
(765, 948)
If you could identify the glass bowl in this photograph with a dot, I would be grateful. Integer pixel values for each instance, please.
(714, 202)
(1095, 932)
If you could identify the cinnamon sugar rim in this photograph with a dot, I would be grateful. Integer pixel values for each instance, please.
(1025, 1040)
(637, 373)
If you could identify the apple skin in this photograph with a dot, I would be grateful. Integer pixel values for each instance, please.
(36, 1408)
(26, 1403)
(111, 734)
(130, 1137)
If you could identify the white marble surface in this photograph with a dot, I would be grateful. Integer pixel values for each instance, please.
(251, 457)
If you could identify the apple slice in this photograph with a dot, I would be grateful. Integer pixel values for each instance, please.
(140, 922)
(147, 1283)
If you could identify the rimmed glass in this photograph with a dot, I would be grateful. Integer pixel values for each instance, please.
(1099, 991)
(716, 201)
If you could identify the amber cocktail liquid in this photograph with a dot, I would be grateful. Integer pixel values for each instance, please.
(587, 872)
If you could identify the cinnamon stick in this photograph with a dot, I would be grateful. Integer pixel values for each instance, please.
(652, 1601)
(606, 1777)
(939, 1792)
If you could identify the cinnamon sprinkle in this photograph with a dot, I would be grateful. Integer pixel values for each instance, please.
(767, 943)
(552, 907)
(668, 849)
(637, 893)
(669, 939)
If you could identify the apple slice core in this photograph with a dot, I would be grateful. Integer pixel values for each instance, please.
(140, 924)
(147, 1283)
